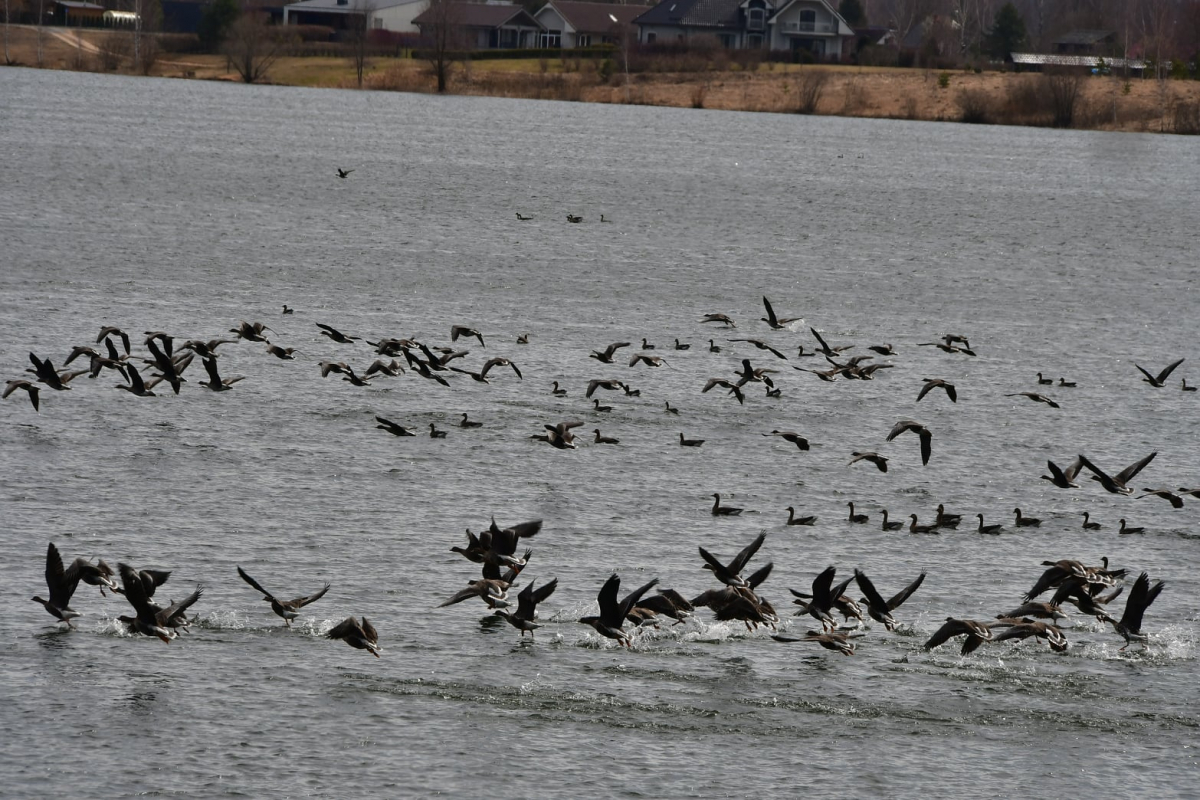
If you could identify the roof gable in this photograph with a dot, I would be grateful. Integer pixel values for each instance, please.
(593, 17)
(478, 15)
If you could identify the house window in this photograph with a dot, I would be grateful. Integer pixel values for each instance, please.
(377, 23)
(650, 37)
(755, 18)
(583, 40)
(754, 41)
(550, 39)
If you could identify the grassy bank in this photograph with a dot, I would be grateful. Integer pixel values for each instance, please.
(1076, 101)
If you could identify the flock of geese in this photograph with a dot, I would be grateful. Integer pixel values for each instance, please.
(168, 358)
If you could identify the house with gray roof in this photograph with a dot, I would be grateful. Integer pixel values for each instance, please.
(385, 15)
(571, 23)
(487, 27)
(788, 25)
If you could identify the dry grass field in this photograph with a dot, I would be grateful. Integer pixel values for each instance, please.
(1100, 103)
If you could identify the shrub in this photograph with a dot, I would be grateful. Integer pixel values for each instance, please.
(810, 83)
(1063, 90)
(973, 104)
(944, 80)
(1186, 118)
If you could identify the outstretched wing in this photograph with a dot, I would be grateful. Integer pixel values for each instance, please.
(312, 598)
(739, 562)
(254, 583)
(905, 593)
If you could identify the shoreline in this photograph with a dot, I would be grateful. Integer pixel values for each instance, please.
(1100, 103)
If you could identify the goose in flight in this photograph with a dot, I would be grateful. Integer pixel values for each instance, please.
(837, 642)
(920, 430)
(1037, 398)
(1157, 381)
(215, 381)
(730, 574)
(462, 330)
(361, 636)
(287, 609)
(1140, 598)
(342, 173)
(938, 383)
(393, 428)
(611, 620)
(1063, 478)
(976, 632)
(28, 386)
(527, 601)
(775, 322)
(1115, 484)
(873, 457)
(724, 319)
(605, 356)
(761, 345)
(790, 436)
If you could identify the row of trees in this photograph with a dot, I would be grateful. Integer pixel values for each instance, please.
(1157, 29)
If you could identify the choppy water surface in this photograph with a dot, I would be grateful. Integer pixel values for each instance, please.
(186, 207)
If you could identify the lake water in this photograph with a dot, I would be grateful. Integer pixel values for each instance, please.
(187, 206)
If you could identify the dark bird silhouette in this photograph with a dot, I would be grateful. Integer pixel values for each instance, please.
(394, 428)
(857, 518)
(462, 330)
(719, 510)
(252, 332)
(557, 391)
(1157, 381)
(1126, 529)
(1116, 484)
(62, 583)
(468, 423)
(605, 439)
(336, 335)
(650, 361)
(790, 436)
(522, 217)
(1166, 494)
(761, 345)
(287, 609)
(287, 310)
(611, 620)
(721, 318)
(434, 433)
(775, 322)
(107, 331)
(215, 381)
(284, 353)
(976, 632)
(1088, 525)
(819, 604)
(1026, 522)
(610, 385)
(920, 430)
(1063, 478)
(989, 529)
(1037, 398)
(606, 355)
(21, 383)
(681, 346)
(876, 459)
(136, 386)
(527, 601)
(574, 218)
(684, 442)
(342, 173)
(1042, 630)
(481, 376)
(938, 383)
(883, 349)
(837, 642)
(152, 619)
(730, 574)
(360, 636)
(1140, 598)
(794, 520)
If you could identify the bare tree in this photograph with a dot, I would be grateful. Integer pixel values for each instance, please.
(252, 45)
(358, 35)
(906, 15)
(8, 59)
(41, 18)
(442, 38)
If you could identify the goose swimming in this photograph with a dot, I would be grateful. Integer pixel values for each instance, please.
(719, 510)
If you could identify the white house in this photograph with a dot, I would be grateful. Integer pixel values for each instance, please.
(790, 25)
(386, 15)
(571, 23)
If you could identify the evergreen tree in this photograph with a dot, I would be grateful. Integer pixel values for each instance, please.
(852, 12)
(1008, 32)
(215, 23)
